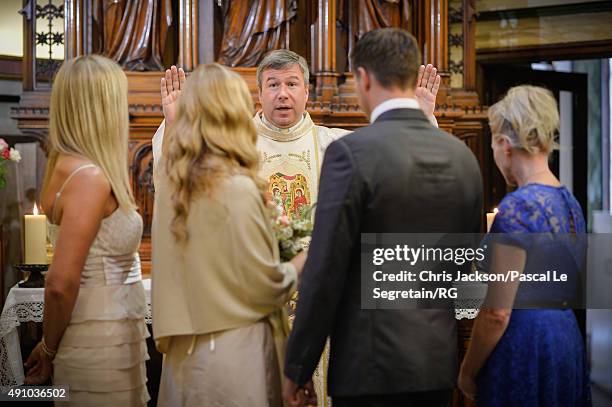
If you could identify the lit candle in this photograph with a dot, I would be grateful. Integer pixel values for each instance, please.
(491, 218)
(35, 238)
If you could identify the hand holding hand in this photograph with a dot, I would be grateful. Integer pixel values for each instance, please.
(298, 397)
(292, 394)
(311, 395)
(171, 86)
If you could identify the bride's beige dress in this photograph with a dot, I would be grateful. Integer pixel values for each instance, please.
(102, 354)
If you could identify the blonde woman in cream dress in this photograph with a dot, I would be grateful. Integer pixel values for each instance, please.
(94, 333)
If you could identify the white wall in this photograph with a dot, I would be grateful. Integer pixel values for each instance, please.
(11, 35)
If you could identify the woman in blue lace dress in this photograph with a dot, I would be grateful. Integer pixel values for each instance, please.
(529, 357)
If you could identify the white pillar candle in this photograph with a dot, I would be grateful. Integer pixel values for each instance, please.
(35, 238)
(491, 218)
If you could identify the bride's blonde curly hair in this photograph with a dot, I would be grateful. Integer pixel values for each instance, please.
(213, 137)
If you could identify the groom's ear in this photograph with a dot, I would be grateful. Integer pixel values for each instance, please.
(364, 77)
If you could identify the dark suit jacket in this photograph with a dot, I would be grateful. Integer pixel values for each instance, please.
(398, 175)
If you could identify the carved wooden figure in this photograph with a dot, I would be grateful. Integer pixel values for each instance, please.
(374, 14)
(132, 32)
(251, 28)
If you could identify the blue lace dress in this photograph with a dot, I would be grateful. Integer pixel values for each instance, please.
(540, 360)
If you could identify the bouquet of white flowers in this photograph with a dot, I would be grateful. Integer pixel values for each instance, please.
(6, 154)
(293, 233)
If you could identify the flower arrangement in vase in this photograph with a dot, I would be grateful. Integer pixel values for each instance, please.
(7, 154)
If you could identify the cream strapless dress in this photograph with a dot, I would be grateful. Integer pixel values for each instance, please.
(102, 355)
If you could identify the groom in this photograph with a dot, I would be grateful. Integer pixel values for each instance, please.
(398, 175)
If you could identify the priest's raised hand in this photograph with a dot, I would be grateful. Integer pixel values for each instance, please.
(171, 85)
(428, 84)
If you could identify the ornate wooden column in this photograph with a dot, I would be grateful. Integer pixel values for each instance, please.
(188, 34)
(76, 28)
(438, 33)
(29, 58)
(433, 33)
(206, 27)
(324, 52)
(469, 44)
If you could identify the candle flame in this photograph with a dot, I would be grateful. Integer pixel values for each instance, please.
(35, 210)
(495, 210)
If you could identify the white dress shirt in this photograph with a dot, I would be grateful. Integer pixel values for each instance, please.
(398, 103)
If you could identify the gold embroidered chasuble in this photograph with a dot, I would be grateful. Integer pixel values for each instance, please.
(291, 160)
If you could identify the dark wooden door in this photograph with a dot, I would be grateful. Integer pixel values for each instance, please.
(499, 78)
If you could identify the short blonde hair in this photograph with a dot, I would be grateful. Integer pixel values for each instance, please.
(528, 116)
(88, 116)
(212, 137)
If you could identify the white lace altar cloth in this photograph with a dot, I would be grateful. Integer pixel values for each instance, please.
(26, 305)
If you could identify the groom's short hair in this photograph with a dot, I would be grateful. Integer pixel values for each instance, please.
(391, 54)
(282, 59)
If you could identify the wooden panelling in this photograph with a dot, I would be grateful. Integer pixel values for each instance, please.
(496, 5)
(545, 30)
(10, 67)
(550, 52)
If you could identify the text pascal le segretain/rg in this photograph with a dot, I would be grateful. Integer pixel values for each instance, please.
(473, 277)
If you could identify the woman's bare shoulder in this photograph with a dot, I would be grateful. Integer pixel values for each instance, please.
(87, 180)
